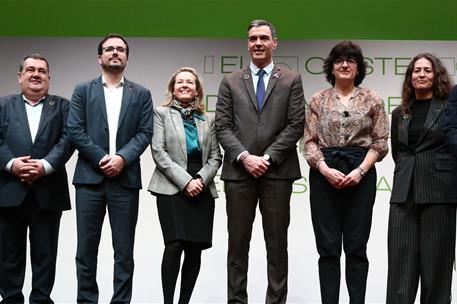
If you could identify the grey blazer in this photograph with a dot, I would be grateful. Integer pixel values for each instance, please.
(170, 155)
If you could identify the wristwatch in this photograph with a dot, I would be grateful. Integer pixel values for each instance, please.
(361, 171)
(267, 158)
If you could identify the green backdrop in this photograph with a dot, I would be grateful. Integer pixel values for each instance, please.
(295, 19)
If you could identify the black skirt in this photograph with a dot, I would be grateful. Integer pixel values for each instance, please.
(184, 218)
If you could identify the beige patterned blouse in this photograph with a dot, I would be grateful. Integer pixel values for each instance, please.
(361, 121)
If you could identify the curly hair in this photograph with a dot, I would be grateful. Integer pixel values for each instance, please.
(345, 49)
(199, 104)
(442, 81)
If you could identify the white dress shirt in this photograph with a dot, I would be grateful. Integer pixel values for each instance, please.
(254, 70)
(113, 102)
(33, 111)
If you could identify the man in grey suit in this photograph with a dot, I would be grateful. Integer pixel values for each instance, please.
(110, 123)
(33, 182)
(260, 116)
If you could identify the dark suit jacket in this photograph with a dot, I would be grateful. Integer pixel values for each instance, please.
(450, 133)
(428, 167)
(274, 130)
(88, 131)
(51, 191)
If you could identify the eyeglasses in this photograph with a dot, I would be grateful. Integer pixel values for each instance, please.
(111, 49)
(350, 61)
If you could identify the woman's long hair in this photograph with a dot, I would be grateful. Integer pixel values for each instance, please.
(442, 82)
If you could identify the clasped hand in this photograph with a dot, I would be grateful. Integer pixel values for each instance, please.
(112, 165)
(339, 180)
(194, 187)
(27, 169)
(255, 165)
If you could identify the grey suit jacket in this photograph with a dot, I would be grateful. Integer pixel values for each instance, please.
(274, 130)
(170, 155)
(51, 191)
(88, 131)
(428, 167)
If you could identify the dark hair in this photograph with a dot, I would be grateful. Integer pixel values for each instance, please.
(199, 104)
(345, 49)
(260, 22)
(442, 82)
(109, 36)
(33, 56)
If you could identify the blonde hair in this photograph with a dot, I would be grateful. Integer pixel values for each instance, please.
(199, 104)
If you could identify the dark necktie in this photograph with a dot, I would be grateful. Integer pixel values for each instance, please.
(260, 89)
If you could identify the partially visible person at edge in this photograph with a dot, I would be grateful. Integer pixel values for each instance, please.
(33, 182)
(187, 157)
(346, 134)
(421, 233)
(110, 123)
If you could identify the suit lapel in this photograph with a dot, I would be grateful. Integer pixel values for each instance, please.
(99, 95)
(179, 127)
(403, 125)
(127, 94)
(49, 104)
(435, 110)
(247, 79)
(202, 128)
(275, 73)
(19, 106)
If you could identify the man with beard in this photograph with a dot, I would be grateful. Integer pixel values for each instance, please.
(110, 123)
(33, 182)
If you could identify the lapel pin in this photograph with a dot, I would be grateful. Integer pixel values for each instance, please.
(51, 103)
(405, 116)
(246, 76)
(276, 75)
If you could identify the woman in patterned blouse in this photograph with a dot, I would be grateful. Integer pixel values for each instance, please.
(346, 133)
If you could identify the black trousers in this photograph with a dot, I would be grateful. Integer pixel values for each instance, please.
(273, 198)
(421, 245)
(342, 218)
(43, 229)
(92, 201)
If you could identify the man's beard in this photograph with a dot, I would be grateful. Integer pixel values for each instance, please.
(118, 68)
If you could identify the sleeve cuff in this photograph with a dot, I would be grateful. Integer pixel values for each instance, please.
(241, 156)
(9, 165)
(48, 169)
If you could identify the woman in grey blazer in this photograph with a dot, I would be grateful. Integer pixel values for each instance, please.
(421, 233)
(187, 158)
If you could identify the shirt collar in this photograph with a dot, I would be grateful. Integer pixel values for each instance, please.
(31, 102)
(268, 69)
(118, 85)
